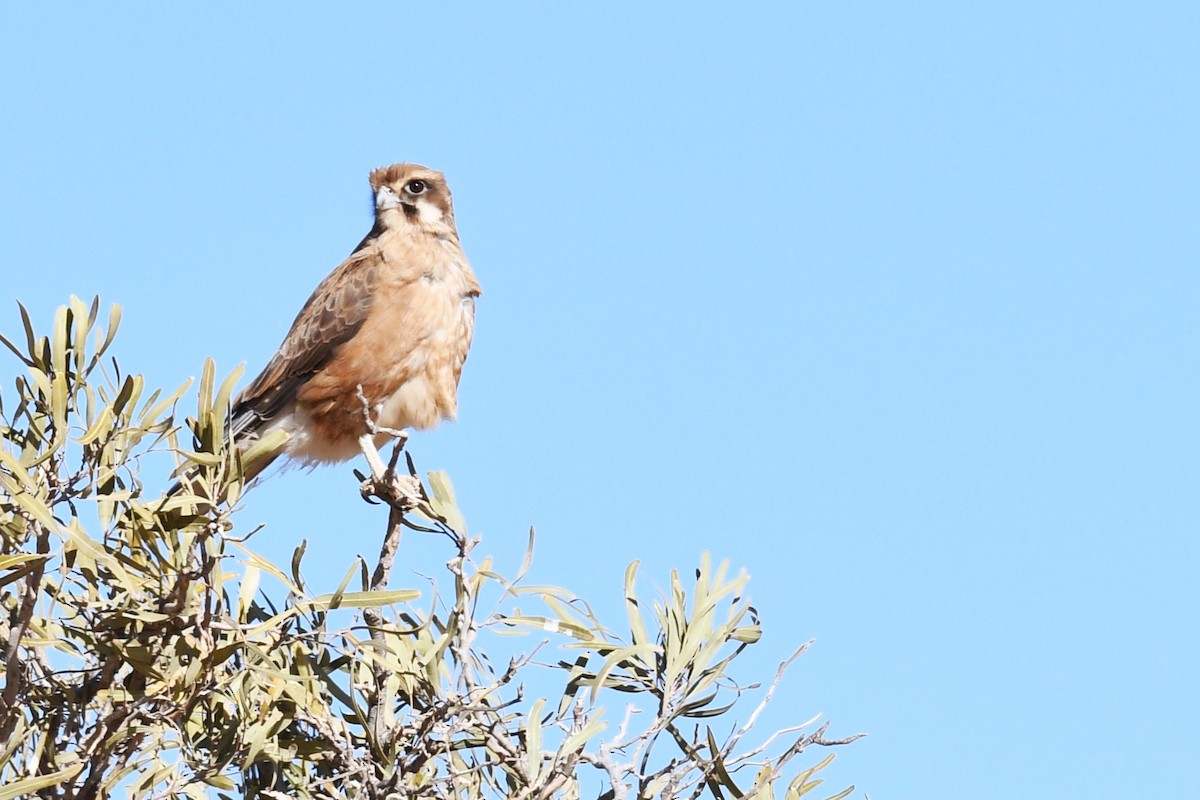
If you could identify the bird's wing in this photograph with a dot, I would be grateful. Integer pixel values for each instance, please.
(332, 315)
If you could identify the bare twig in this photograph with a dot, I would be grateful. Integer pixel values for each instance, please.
(375, 622)
(771, 692)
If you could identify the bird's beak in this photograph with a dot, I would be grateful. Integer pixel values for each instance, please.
(385, 198)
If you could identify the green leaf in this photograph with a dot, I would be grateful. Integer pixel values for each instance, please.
(361, 599)
(128, 394)
(35, 508)
(58, 378)
(9, 561)
(30, 785)
(208, 376)
(297, 557)
(226, 391)
(273, 442)
(718, 766)
(114, 322)
(220, 781)
(254, 559)
(637, 626)
(576, 741)
(533, 743)
(246, 591)
(747, 633)
(101, 425)
(443, 501)
(84, 319)
(335, 600)
(15, 351)
(547, 624)
(151, 411)
(614, 659)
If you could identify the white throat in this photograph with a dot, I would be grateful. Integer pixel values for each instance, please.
(429, 213)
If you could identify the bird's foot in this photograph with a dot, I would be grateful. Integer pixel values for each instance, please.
(401, 491)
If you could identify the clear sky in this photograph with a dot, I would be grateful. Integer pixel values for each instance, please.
(893, 304)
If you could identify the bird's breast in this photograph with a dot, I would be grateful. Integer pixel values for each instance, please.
(427, 342)
(407, 356)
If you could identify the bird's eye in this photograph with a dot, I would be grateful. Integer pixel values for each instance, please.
(416, 187)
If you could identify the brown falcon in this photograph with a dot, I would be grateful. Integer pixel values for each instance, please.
(395, 318)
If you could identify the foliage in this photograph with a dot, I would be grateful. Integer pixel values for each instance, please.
(141, 656)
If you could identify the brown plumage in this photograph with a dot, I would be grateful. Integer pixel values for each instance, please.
(395, 318)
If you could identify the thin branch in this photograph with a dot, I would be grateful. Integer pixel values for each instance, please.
(15, 672)
(375, 622)
(771, 692)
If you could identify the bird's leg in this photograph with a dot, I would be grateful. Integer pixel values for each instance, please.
(366, 442)
(401, 440)
(379, 470)
(386, 484)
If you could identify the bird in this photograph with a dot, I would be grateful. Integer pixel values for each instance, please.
(380, 344)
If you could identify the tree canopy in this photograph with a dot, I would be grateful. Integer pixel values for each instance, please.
(148, 649)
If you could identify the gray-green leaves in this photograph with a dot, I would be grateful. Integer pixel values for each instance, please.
(149, 651)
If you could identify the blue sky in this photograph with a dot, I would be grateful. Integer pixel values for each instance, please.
(894, 305)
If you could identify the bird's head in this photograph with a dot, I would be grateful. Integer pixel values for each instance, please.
(410, 194)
